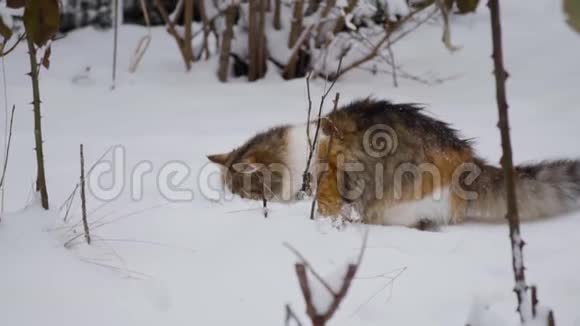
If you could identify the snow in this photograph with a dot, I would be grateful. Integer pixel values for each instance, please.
(220, 262)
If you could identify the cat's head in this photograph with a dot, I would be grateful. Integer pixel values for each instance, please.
(257, 169)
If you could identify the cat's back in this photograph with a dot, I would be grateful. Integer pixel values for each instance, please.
(405, 120)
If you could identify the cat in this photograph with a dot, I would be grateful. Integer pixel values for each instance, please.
(393, 165)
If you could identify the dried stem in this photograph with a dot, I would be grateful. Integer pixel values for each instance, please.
(320, 318)
(115, 42)
(228, 34)
(308, 266)
(290, 315)
(171, 29)
(534, 300)
(508, 167)
(71, 195)
(34, 69)
(206, 28)
(188, 18)
(5, 53)
(376, 49)
(144, 42)
(392, 62)
(307, 176)
(328, 151)
(83, 198)
(309, 111)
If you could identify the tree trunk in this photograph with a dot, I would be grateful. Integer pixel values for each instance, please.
(228, 34)
(277, 20)
(253, 40)
(41, 177)
(188, 18)
(261, 47)
(295, 31)
(296, 28)
(512, 216)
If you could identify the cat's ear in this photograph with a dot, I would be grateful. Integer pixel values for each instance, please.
(220, 159)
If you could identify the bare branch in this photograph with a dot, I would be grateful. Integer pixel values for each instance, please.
(308, 266)
(115, 42)
(316, 317)
(71, 195)
(392, 62)
(307, 176)
(5, 53)
(328, 151)
(171, 29)
(512, 216)
(309, 111)
(39, 147)
(375, 51)
(290, 315)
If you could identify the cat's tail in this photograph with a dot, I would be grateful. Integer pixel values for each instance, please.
(544, 189)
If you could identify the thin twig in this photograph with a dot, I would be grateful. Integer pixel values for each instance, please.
(115, 42)
(307, 176)
(144, 42)
(93, 225)
(290, 315)
(308, 266)
(375, 51)
(321, 318)
(328, 152)
(392, 62)
(376, 293)
(71, 195)
(173, 31)
(5, 53)
(5, 91)
(534, 300)
(83, 198)
(309, 111)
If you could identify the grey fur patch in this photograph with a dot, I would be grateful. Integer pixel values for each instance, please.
(544, 189)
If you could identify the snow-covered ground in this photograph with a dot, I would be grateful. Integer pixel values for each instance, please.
(205, 262)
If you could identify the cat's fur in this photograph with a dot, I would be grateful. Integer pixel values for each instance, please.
(413, 170)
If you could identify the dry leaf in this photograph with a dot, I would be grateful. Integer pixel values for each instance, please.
(42, 19)
(467, 6)
(46, 58)
(572, 11)
(5, 31)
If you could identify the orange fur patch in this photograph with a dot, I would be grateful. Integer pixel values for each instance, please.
(447, 163)
(329, 199)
